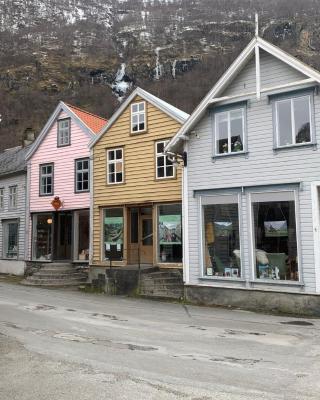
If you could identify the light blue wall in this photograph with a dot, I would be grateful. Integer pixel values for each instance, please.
(262, 165)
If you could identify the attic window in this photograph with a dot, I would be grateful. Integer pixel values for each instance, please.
(229, 129)
(64, 132)
(138, 117)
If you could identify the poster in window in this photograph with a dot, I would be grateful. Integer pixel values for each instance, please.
(170, 229)
(113, 230)
(276, 228)
(222, 228)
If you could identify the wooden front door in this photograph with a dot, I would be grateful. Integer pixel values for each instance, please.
(146, 239)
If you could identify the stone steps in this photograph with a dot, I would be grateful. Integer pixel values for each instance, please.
(166, 284)
(56, 275)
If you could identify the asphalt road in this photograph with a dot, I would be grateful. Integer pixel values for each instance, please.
(65, 345)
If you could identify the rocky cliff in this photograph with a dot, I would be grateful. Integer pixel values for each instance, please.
(92, 52)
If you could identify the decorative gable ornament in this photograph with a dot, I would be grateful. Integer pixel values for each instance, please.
(56, 203)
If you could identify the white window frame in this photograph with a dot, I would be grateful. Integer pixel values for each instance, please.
(227, 111)
(80, 173)
(62, 132)
(1, 198)
(165, 157)
(115, 161)
(138, 113)
(13, 197)
(293, 136)
(275, 195)
(5, 245)
(214, 200)
(46, 175)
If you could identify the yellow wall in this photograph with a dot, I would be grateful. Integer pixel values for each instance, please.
(141, 185)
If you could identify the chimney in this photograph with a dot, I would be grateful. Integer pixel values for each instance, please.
(28, 137)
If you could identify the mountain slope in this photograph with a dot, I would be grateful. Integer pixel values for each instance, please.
(92, 52)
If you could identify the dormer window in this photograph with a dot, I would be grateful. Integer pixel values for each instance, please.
(138, 117)
(64, 132)
(293, 121)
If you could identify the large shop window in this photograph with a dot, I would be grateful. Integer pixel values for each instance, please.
(113, 229)
(10, 239)
(229, 128)
(222, 255)
(82, 232)
(275, 236)
(42, 237)
(170, 233)
(293, 121)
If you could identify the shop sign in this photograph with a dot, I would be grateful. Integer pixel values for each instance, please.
(170, 229)
(56, 203)
(113, 230)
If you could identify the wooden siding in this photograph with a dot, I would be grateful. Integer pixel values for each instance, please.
(19, 213)
(141, 185)
(64, 169)
(261, 166)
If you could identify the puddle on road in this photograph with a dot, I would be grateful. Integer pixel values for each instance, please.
(199, 328)
(108, 316)
(297, 323)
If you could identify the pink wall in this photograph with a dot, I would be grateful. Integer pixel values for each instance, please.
(64, 166)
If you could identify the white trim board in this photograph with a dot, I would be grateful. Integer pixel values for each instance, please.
(252, 50)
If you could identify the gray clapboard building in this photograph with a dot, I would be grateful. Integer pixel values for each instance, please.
(251, 182)
(13, 186)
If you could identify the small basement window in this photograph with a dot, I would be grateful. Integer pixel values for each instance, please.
(138, 117)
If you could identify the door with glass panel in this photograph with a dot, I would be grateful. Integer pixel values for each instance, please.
(64, 236)
(146, 235)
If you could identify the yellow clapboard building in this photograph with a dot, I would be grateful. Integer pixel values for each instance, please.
(136, 189)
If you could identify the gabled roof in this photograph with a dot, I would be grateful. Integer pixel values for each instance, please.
(249, 51)
(91, 124)
(13, 160)
(167, 108)
(94, 122)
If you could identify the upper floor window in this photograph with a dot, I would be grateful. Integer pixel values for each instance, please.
(164, 167)
(64, 132)
(1, 198)
(115, 166)
(46, 179)
(13, 193)
(138, 117)
(293, 121)
(229, 129)
(82, 175)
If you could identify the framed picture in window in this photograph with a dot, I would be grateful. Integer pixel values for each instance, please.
(276, 228)
(222, 228)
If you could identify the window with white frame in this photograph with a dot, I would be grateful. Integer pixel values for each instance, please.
(64, 132)
(46, 179)
(10, 238)
(229, 131)
(164, 167)
(13, 193)
(221, 236)
(1, 198)
(275, 236)
(115, 166)
(293, 121)
(138, 117)
(82, 175)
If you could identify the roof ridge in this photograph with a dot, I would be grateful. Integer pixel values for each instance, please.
(85, 111)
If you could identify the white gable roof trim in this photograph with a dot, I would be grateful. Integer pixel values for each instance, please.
(60, 108)
(174, 112)
(256, 43)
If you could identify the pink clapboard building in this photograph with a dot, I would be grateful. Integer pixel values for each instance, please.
(58, 195)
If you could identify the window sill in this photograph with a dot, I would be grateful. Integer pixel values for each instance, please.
(236, 153)
(293, 146)
(222, 279)
(276, 282)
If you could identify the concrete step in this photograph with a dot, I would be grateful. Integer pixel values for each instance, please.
(166, 279)
(44, 275)
(166, 284)
(169, 273)
(53, 282)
